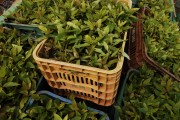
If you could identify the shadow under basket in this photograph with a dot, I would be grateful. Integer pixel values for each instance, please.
(89, 83)
(138, 51)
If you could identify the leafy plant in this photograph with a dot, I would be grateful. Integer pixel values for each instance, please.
(18, 74)
(85, 32)
(47, 108)
(149, 95)
(18, 82)
(34, 12)
(91, 33)
(162, 37)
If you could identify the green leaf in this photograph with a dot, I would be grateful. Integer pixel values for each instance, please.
(72, 25)
(111, 62)
(61, 106)
(23, 101)
(169, 107)
(17, 47)
(27, 119)
(44, 29)
(71, 37)
(90, 24)
(22, 115)
(49, 104)
(10, 79)
(83, 6)
(177, 106)
(2, 71)
(143, 110)
(27, 3)
(99, 23)
(147, 82)
(106, 30)
(125, 55)
(30, 65)
(121, 24)
(28, 54)
(14, 51)
(130, 88)
(10, 84)
(105, 45)
(99, 51)
(66, 117)
(177, 46)
(88, 39)
(115, 53)
(129, 113)
(76, 55)
(60, 29)
(168, 85)
(82, 45)
(117, 108)
(117, 41)
(76, 118)
(134, 9)
(84, 116)
(103, 117)
(57, 117)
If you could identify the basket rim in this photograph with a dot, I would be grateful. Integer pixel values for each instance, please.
(94, 69)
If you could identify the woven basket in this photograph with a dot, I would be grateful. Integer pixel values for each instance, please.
(94, 84)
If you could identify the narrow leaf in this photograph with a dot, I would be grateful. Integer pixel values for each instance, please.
(10, 84)
(57, 117)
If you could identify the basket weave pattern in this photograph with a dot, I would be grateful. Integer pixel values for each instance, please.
(94, 84)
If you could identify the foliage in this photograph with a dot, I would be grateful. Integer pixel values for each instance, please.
(85, 32)
(162, 36)
(149, 95)
(18, 82)
(47, 108)
(91, 33)
(18, 72)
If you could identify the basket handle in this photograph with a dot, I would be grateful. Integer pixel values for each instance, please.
(38, 48)
(156, 66)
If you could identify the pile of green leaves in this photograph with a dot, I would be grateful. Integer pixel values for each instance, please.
(85, 32)
(90, 33)
(36, 12)
(18, 74)
(162, 36)
(47, 108)
(149, 95)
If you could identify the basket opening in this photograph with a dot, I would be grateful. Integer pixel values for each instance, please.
(91, 82)
(52, 83)
(82, 80)
(100, 84)
(68, 77)
(60, 75)
(77, 79)
(48, 75)
(87, 80)
(51, 68)
(44, 67)
(96, 83)
(55, 75)
(64, 75)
